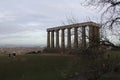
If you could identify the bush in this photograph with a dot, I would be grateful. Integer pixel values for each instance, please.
(87, 53)
(52, 50)
(34, 52)
(92, 53)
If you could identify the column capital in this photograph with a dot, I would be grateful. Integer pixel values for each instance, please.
(63, 28)
(57, 30)
(84, 26)
(69, 28)
(52, 30)
(76, 28)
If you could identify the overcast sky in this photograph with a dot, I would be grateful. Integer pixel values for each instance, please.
(24, 22)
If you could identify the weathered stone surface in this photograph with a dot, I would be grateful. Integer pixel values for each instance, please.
(93, 35)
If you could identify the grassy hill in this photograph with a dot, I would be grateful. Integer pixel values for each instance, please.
(50, 67)
(35, 67)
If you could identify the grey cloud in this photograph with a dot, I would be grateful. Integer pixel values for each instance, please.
(9, 28)
(18, 16)
(17, 28)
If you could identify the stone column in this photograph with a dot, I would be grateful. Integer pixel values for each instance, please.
(95, 33)
(57, 38)
(69, 38)
(83, 37)
(75, 37)
(48, 39)
(62, 39)
(96, 36)
(52, 39)
(91, 36)
(98, 33)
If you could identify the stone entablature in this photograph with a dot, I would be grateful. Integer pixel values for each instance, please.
(75, 25)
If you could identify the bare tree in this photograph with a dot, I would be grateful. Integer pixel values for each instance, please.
(111, 11)
(110, 17)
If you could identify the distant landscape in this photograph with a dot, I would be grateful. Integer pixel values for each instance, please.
(19, 50)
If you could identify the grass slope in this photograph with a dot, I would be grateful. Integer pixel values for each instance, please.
(41, 67)
(34, 67)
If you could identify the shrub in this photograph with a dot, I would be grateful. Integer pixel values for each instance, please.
(89, 53)
(52, 50)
